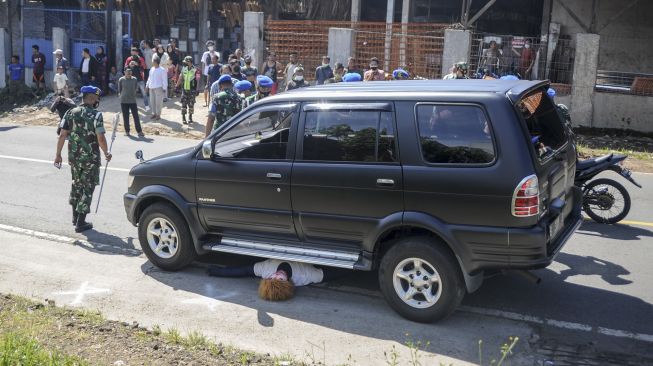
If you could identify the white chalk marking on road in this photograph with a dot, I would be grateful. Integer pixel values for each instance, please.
(557, 323)
(67, 240)
(213, 301)
(81, 292)
(51, 162)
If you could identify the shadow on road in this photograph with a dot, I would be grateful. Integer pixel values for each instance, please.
(618, 231)
(7, 128)
(102, 243)
(588, 266)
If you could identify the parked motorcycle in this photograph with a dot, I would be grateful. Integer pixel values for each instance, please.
(604, 200)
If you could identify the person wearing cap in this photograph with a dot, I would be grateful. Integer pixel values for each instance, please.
(60, 82)
(188, 84)
(38, 72)
(224, 105)
(297, 79)
(352, 77)
(59, 60)
(243, 88)
(324, 71)
(400, 74)
(84, 128)
(206, 61)
(263, 88)
(459, 71)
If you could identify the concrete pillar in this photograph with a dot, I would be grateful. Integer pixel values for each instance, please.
(389, 19)
(254, 29)
(584, 80)
(5, 55)
(405, 15)
(203, 30)
(457, 45)
(59, 41)
(552, 43)
(117, 36)
(355, 10)
(342, 43)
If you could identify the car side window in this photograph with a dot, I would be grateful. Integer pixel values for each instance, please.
(261, 135)
(349, 135)
(454, 134)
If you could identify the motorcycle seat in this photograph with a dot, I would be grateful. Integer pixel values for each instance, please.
(588, 163)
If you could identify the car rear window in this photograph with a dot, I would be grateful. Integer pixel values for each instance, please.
(546, 129)
(454, 134)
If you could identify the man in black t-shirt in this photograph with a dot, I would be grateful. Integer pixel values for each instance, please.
(38, 59)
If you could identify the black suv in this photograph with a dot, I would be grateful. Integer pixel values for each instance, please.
(432, 183)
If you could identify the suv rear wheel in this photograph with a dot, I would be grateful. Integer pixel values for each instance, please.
(421, 280)
(165, 237)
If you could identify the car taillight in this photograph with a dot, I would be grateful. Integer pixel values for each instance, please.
(526, 199)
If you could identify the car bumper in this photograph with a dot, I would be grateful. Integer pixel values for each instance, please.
(129, 200)
(518, 248)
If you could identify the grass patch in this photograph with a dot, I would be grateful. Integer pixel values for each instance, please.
(18, 349)
(585, 150)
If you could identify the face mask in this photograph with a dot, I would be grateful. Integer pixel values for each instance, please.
(298, 78)
(211, 48)
(325, 64)
(527, 46)
(374, 68)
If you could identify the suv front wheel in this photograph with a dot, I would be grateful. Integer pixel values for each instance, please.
(421, 280)
(165, 237)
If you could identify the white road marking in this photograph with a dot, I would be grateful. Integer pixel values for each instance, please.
(212, 301)
(68, 240)
(51, 162)
(81, 292)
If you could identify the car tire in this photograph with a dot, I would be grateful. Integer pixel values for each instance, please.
(165, 237)
(436, 287)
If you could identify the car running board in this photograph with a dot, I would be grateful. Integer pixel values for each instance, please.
(327, 258)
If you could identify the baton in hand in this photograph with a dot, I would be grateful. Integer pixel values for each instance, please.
(113, 138)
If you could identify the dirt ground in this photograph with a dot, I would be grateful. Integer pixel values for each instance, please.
(592, 142)
(97, 341)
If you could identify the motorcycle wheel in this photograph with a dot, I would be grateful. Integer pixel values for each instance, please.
(606, 201)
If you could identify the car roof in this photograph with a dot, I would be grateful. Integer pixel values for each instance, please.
(510, 87)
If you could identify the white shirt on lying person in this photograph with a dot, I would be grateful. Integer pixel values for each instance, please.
(302, 273)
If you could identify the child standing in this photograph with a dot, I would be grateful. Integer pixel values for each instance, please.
(15, 69)
(61, 82)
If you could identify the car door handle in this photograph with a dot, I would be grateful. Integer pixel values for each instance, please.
(273, 176)
(385, 182)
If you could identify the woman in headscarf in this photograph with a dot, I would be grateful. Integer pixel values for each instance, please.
(102, 67)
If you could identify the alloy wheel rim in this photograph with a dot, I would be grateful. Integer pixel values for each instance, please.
(162, 238)
(417, 283)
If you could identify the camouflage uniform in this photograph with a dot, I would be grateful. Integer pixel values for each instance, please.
(225, 105)
(83, 124)
(251, 99)
(188, 88)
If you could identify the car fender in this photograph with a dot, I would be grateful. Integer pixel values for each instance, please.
(187, 209)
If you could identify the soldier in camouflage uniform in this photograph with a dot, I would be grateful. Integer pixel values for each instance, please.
(224, 105)
(188, 83)
(85, 127)
(263, 87)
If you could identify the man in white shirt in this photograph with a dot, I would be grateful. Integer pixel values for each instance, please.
(157, 85)
(205, 62)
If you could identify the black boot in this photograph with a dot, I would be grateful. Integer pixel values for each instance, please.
(82, 225)
(190, 118)
(75, 215)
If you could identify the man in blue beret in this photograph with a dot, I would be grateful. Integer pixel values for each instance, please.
(263, 88)
(224, 105)
(244, 90)
(352, 77)
(85, 127)
(400, 74)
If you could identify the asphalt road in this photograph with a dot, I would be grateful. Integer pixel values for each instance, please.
(599, 288)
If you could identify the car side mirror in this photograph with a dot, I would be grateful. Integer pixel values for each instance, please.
(207, 149)
(139, 155)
